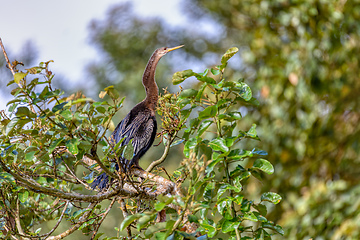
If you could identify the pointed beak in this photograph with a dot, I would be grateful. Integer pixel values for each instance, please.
(174, 48)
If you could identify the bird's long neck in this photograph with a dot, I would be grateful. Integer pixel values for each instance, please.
(152, 90)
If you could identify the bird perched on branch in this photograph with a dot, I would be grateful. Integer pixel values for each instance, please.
(139, 125)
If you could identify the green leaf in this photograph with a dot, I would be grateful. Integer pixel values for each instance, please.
(224, 208)
(263, 165)
(219, 144)
(179, 77)
(225, 58)
(203, 126)
(155, 228)
(205, 79)
(54, 144)
(229, 53)
(201, 91)
(277, 228)
(208, 112)
(188, 93)
(129, 150)
(29, 157)
(145, 218)
(23, 196)
(230, 225)
(72, 145)
(261, 208)
(252, 133)
(7, 177)
(211, 230)
(250, 216)
(271, 197)
(128, 220)
(19, 76)
(66, 114)
(215, 71)
(24, 111)
(244, 91)
(11, 125)
(58, 107)
(97, 236)
(163, 201)
(112, 92)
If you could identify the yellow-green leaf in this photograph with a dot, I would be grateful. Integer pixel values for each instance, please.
(19, 76)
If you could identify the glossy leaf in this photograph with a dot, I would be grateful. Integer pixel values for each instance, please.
(271, 197)
(219, 144)
(128, 220)
(230, 225)
(244, 91)
(263, 165)
(250, 216)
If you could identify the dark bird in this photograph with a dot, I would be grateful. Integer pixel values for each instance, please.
(139, 125)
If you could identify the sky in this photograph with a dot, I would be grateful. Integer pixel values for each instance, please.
(59, 29)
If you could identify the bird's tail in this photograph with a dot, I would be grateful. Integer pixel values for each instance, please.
(102, 181)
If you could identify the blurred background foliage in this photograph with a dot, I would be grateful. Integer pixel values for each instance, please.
(302, 58)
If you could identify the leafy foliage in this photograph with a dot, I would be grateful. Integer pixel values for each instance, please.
(47, 139)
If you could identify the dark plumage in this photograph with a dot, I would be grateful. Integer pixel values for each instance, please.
(139, 125)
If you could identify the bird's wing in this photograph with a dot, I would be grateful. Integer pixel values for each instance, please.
(144, 137)
(140, 128)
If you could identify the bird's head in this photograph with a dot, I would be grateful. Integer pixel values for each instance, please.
(164, 50)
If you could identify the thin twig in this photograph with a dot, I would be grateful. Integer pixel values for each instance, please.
(83, 219)
(73, 175)
(13, 73)
(58, 222)
(103, 218)
(7, 59)
(125, 214)
(17, 219)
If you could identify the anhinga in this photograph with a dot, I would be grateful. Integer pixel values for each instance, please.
(139, 125)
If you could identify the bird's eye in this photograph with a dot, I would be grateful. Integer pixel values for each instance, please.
(165, 48)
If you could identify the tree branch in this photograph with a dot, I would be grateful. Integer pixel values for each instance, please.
(163, 157)
(82, 219)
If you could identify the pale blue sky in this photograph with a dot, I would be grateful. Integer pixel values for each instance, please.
(59, 29)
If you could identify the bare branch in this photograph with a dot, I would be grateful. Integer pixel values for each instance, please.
(17, 220)
(163, 157)
(7, 59)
